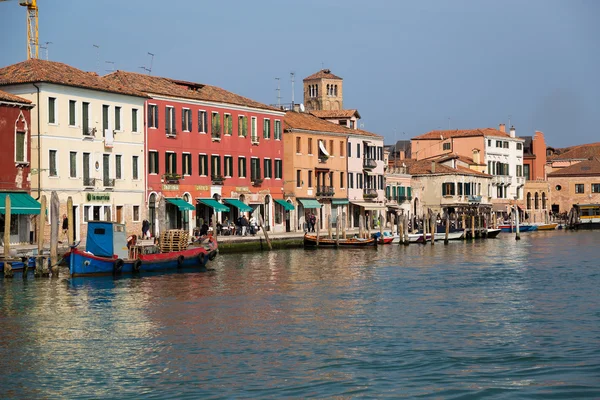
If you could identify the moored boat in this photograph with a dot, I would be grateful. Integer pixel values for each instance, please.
(311, 241)
(492, 233)
(546, 227)
(526, 227)
(455, 234)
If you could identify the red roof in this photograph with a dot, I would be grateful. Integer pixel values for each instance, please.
(583, 168)
(308, 122)
(335, 113)
(5, 96)
(424, 167)
(435, 135)
(154, 85)
(581, 152)
(322, 74)
(36, 70)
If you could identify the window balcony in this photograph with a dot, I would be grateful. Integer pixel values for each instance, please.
(325, 191)
(171, 178)
(501, 180)
(217, 180)
(402, 199)
(369, 193)
(474, 199)
(89, 133)
(171, 132)
(520, 180)
(109, 182)
(89, 182)
(257, 181)
(369, 163)
(216, 136)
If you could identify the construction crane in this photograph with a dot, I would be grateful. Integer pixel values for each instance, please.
(32, 27)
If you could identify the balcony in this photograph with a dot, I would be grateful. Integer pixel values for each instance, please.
(89, 182)
(89, 133)
(369, 163)
(217, 180)
(254, 140)
(257, 181)
(323, 160)
(501, 180)
(109, 182)
(520, 180)
(216, 136)
(402, 199)
(171, 178)
(325, 191)
(369, 193)
(474, 199)
(171, 132)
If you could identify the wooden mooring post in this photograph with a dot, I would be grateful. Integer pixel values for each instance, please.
(264, 231)
(318, 223)
(329, 227)
(447, 229)
(344, 225)
(518, 234)
(337, 232)
(54, 223)
(40, 261)
(70, 220)
(8, 272)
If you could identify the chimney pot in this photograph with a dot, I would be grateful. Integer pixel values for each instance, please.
(512, 131)
(502, 128)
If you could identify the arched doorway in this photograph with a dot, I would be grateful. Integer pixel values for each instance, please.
(537, 201)
(152, 214)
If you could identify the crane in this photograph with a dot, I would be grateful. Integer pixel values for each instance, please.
(32, 27)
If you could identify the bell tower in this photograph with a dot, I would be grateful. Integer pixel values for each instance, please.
(323, 91)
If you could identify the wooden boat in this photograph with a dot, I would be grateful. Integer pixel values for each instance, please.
(456, 234)
(522, 227)
(492, 233)
(109, 252)
(387, 238)
(311, 241)
(546, 227)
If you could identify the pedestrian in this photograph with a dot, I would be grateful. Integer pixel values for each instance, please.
(65, 227)
(245, 225)
(313, 221)
(145, 229)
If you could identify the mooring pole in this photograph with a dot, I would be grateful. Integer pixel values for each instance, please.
(447, 229)
(54, 222)
(318, 222)
(518, 234)
(71, 223)
(8, 272)
(40, 265)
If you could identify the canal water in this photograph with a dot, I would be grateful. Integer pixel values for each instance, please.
(483, 319)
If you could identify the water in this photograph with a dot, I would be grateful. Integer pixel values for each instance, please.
(486, 319)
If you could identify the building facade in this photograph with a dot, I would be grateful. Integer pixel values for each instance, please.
(576, 184)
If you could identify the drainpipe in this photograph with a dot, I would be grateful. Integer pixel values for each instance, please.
(39, 144)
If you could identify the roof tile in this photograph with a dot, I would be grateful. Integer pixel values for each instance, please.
(324, 73)
(308, 122)
(583, 168)
(462, 133)
(335, 113)
(5, 96)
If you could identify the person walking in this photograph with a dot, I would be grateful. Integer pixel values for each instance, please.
(313, 221)
(65, 227)
(245, 225)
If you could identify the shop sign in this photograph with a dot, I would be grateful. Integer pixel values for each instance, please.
(202, 187)
(166, 186)
(242, 189)
(98, 197)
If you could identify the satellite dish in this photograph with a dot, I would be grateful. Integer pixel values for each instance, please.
(301, 107)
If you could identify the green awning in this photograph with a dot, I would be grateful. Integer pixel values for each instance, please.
(214, 204)
(181, 204)
(240, 205)
(20, 203)
(286, 206)
(339, 202)
(310, 203)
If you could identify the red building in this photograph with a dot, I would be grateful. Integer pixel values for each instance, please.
(15, 156)
(208, 151)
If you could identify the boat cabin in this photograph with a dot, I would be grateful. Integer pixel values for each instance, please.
(588, 213)
(107, 239)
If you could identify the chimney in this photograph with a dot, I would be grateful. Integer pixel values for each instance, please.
(433, 167)
(512, 131)
(476, 159)
(502, 128)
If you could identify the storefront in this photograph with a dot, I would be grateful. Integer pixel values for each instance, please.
(22, 208)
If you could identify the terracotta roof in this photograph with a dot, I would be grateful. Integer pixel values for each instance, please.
(335, 113)
(177, 88)
(584, 168)
(324, 73)
(423, 167)
(36, 70)
(582, 151)
(308, 122)
(5, 96)
(465, 159)
(435, 135)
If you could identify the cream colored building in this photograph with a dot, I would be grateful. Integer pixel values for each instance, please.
(87, 142)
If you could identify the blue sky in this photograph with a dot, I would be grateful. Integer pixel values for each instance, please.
(408, 66)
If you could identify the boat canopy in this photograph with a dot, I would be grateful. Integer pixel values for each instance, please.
(106, 239)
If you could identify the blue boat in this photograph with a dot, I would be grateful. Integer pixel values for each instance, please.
(522, 228)
(109, 252)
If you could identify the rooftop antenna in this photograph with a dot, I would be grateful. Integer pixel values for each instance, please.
(112, 63)
(151, 62)
(448, 123)
(292, 75)
(46, 48)
(145, 69)
(278, 93)
(97, 58)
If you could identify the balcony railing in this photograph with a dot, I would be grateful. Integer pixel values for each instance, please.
(402, 199)
(88, 132)
(325, 191)
(89, 182)
(217, 179)
(369, 193)
(171, 178)
(520, 180)
(109, 182)
(474, 199)
(171, 132)
(369, 163)
(257, 181)
(501, 180)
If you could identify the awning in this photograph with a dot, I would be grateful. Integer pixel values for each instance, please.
(286, 206)
(322, 148)
(499, 207)
(214, 204)
(240, 205)
(310, 203)
(369, 206)
(20, 203)
(180, 203)
(339, 202)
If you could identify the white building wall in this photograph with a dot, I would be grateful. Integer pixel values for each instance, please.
(510, 156)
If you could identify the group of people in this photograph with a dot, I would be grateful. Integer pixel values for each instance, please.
(311, 221)
(246, 226)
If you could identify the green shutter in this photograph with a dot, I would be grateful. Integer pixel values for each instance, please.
(409, 191)
(51, 110)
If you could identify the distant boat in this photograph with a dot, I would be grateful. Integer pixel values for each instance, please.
(311, 241)
(455, 234)
(546, 227)
(526, 227)
(492, 233)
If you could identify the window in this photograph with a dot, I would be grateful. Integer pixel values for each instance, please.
(203, 165)
(380, 154)
(51, 110)
(254, 169)
(152, 116)
(519, 146)
(519, 170)
(134, 168)
(489, 142)
(85, 118)
(86, 169)
(349, 149)
(72, 104)
(298, 178)
(106, 169)
(579, 188)
(86, 213)
(350, 180)
(118, 166)
(215, 121)
(268, 168)
(505, 145)
(202, 122)
(228, 166)
(228, 124)
(215, 165)
(153, 162)
(359, 181)
(242, 167)
(342, 146)
(186, 164)
(170, 128)
(309, 150)
(526, 171)
(104, 119)
(52, 163)
(136, 213)
(298, 144)
(341, 179)
(331, 152)
(242, 126)
(310, 176)
(267, 128)
(20, 147)
(134, 121)
(498, 143)
(277, 129)
(73, 164)
(278, 169)
(446, 146)
(358, 152)
(117, 118)
(448, 189)
(254, 131)
(186, 120)
(595, 187)
(170, 163)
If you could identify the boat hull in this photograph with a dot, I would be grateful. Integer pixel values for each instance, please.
(547, 227)
(419, 237)
(522, 228)
(311, 241)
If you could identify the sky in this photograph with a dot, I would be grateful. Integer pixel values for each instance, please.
(408, 66)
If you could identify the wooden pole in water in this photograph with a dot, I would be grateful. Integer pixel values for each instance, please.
(40, 265)
(401, 229)
(406, 240)
(318, 223)
(381, 226)
(464, 225)
(473, 226)
(447, 229)
(54, 222)
(70, 220)
(360, 226)
(344, 225)
(518, 234)
(432, 223)
(337, 232)
(329, 226)
(8, 272)
(264, 231)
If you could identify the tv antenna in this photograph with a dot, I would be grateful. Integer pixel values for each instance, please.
(278, 93)
(46, 48)
(112, 64)
(97, 58)
(292, 76)
(151, 62)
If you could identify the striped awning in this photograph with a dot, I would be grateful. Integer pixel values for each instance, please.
(20, 203)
